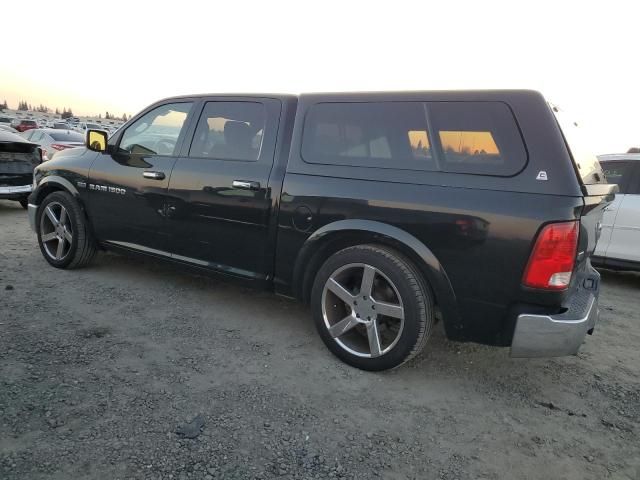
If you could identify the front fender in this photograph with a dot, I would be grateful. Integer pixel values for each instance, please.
(49, 183)
(424, 258)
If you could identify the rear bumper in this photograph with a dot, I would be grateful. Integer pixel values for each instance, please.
(561, 334)
(14, 192)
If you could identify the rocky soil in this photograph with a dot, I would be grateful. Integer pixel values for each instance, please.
(134, 369)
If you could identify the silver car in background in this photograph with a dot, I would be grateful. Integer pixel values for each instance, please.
(54, 140)
(619, 244)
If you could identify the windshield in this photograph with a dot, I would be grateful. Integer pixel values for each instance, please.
(580, 149)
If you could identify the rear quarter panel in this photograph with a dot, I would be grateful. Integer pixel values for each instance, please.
(481, 238)
(480, 228)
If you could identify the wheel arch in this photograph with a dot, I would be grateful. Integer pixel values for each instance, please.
(341, 234)
(53, 183)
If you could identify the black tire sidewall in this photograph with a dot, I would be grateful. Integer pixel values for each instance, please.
(417, 308)
(75, 217)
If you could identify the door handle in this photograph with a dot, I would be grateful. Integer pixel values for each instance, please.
(246, 185)
(153, 175)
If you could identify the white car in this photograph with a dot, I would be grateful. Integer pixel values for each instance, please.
(84, 126)
(619, 244)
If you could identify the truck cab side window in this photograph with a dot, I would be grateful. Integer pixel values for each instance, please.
(156, 132)
(229, 131)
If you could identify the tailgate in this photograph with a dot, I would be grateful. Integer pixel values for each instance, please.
(596, 198)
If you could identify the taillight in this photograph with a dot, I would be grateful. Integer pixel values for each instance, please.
(553, 257)
(59, 146)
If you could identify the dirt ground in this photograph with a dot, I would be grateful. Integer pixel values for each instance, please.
(100, 367)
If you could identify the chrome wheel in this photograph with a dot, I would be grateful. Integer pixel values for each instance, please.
(56, 232)
(362, 310)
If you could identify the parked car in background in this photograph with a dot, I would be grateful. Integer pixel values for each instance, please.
(84, 126)
(53, 140)
(619, 244)
(6, 120)
(110, 129)
(8, 128)
(380, 210)
(24, 125)
(18, 158)
(60, 126)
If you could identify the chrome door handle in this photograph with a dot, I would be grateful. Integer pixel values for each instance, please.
(153, 175)
(246, 185)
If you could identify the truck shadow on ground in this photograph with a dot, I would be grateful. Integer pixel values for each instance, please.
(10, 207)
(615, 278)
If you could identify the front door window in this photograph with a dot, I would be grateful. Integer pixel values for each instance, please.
(157, 132)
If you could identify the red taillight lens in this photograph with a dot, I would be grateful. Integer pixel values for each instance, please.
(553, 257)
(58, 146)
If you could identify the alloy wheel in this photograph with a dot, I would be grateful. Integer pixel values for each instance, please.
(362, 310)
(56, 231)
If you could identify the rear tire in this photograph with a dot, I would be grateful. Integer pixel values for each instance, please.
(371, 307)
(24, 203)
(64, 235)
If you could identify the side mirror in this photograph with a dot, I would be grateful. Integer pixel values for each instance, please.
(96, 140)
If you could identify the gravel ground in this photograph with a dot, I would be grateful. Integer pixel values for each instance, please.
(102, 369)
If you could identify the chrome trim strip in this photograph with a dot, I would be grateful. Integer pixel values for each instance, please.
(193, 261)
(135, 246)
(18, 189)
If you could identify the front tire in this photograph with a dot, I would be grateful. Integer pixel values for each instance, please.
(371, 307)
(64, 234)
(24, 203)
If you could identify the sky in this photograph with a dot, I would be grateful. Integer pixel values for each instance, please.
(120, 56)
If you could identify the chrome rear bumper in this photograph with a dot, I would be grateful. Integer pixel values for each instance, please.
(562, 334)
(16, 189)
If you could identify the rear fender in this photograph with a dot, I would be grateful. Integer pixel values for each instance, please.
(404, 242)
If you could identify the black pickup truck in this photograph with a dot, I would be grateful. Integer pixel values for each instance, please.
(385, 212)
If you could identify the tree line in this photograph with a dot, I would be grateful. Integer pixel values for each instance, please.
(24, 106)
